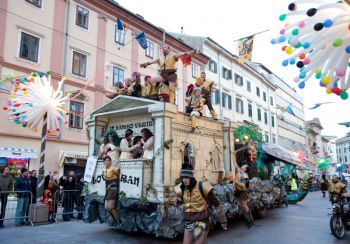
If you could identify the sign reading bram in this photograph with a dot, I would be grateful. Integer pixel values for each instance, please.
(131, 178)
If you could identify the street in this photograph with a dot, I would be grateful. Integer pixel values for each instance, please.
(305, 222)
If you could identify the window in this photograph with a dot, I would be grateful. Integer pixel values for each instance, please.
(258, 91)
(249, 88)
(346, 160)
(35, 2)
(273, 121)
(340, 160)
(76, 110)
(266, 138)
(273, 139)
(264, 96)
(195, 70)
(259, 114)
(271, 100)
(150, 50)
(79, 64)
(265, 117)
(29, 48)
(119, 36)
(226, 73)
(239, 106)
(223, 98)
(118, 75)
(250, 110)
(82, 18)
(213, 67)
(217, 96)
(229, 101)
(238, 80)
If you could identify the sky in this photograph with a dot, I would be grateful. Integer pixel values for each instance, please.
(228, 20)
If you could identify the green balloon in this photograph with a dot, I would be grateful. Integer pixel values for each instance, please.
(344, 95)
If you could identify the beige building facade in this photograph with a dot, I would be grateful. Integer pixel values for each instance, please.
(79, 40)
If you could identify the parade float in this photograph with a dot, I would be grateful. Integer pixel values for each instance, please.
(146, 186)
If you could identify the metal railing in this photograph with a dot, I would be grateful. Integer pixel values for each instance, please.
(14, 205)
(68, 204)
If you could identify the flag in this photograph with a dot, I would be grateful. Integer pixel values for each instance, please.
(346, 124)
(120, 25)
(316, 105)
(283, 109)
(289, 110)
(245, 49)
(141, 39)
(186, 60)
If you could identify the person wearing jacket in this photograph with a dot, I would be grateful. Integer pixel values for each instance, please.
(69, 196)
(24, 187)
(195, 196)
(6, 184)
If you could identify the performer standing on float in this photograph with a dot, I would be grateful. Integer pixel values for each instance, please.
(195, 197)
(167, 67)
(111, 174)
(207, 87)
(194, 107)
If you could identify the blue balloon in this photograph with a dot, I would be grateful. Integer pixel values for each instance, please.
(306, 45)
(282, 38)
(301, 85)
(327, 23)
(302, 75)
(273, 41)
(285, 62)
(292, 61)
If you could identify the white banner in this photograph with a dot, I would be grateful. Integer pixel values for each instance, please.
(90, 168)
(131, 178)
(136, 126)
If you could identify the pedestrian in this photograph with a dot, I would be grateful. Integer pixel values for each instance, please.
(241, 193)
(69, 187)
(6, 184)
(111, 174)
(195, 197)
(125, 145)
(323, 187)
(34, 184)
(23, 188)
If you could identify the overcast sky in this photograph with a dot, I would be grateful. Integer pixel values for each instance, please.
(228, 20)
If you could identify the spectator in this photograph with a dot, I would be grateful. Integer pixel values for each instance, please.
(34, 183)
(69, 187)
(137, 152)
(81, 187)
(55, 192)
(6, 184)
(24, 186)
(47, 197)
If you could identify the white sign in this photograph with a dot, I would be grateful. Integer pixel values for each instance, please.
(98, 182)
(90, 168)
(131, 178)
(136, 126)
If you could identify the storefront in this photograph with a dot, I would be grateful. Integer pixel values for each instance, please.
(16, 159)
(72, 161)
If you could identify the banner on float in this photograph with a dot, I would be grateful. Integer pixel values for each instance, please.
(90, 168)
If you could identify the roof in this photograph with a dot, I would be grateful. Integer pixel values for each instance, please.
(122, 104)
(342, 139)
(314, 122)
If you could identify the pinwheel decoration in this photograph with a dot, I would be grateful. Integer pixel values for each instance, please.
(317, 39)
(322, 164)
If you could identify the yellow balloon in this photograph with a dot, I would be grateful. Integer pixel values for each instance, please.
(326, 80)
(328, 90)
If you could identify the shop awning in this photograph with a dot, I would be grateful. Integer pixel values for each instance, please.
(9, 152)
(69, 154)
(282, 154)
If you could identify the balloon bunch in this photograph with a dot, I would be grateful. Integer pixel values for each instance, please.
(318, 43)
(322, 164)
(32, 97)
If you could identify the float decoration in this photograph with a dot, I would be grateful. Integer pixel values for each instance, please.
(317, 39)
(322, 164)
